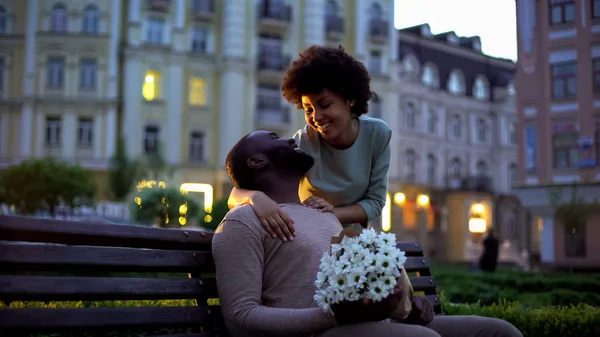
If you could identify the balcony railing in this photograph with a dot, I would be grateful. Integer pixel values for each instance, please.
(269, 61)
(469, 183)
(275, 9)
(378, 28)
(200, 7)
(160, 5)
(270, 113)
(334, 24)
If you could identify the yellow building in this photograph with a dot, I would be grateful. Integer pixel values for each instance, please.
(59, 64)
(190, 77)
(198, 75)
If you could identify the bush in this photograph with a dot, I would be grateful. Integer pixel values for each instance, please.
(557, 321)
(219, 210)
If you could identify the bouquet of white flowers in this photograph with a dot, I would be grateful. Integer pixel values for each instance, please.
(360, 266)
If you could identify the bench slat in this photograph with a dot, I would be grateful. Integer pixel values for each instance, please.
(56, 257)
(416, 264)
(423, 283)
(54, 288)
(436, 302)
(18, 228)
(410, 248)
(37, 319)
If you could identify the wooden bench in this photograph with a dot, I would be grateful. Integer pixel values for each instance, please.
(54, 260)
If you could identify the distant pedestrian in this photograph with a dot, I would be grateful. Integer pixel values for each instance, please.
(489, 258)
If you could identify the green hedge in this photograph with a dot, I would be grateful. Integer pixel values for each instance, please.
(529, 289)
(559, 321)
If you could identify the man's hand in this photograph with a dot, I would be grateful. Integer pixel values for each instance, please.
(422, 312)
(318, 204)
(366, 310)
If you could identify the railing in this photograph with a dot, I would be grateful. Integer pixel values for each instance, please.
(469, 183)
(162, 5)
(203, 6)
(270, 61)
(275, 9)
(378, 28)
(334, 24)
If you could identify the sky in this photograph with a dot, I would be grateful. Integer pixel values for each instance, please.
(493, 20)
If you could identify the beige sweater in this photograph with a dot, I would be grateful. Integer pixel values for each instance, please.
(265, 285)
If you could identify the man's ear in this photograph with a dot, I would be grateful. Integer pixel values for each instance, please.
(257, 161)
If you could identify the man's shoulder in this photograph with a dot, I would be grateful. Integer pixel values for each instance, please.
(244, 214)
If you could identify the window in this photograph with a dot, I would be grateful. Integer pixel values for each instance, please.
(91, 20)
(197, 91)
(454, 169)
(202, 5)
(431, 169)
(598, 142)
(530, 149)
(596, 9)
(85, 131)
(481, 131)
(456, 83)
(332, 8)
(597, 75)
(430, 77)
(564, 80)
(56, 71)
(3, 20)
(1, 74)
(59, 19)
(375, 62)
(410, 65)
(151, 87)
(480, 91)
(197, 146)
(512, 175)
(270, 107)
(410, 115)
(270, 56)
(411, 165)
(151, 138)
(376, 108)
(155, 31)
(562, 11)
(575, 237)
(566, 151)
(482, 169)
(200, 40)
(53, 126)
(431, 121)
(512, 133)
(456, 127)
(87, 77)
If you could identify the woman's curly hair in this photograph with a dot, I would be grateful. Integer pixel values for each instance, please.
(320, 68)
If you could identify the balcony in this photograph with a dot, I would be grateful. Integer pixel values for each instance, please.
(274, 15)
(203, 10)
(334, 27)
(272, 117)
(159, 5)
(379, 30)
(469, 183)
(271, 66)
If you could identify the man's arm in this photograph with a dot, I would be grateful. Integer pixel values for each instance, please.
(239, 259)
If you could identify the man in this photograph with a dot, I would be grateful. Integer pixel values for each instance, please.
(266, 285)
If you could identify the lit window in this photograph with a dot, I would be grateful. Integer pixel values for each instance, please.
(151, 87)
(197, 91)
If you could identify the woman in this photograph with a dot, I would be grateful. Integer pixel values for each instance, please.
(351, 151)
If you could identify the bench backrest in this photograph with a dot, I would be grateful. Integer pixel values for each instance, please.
(56, 260)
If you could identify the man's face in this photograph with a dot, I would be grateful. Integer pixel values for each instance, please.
(282, 153)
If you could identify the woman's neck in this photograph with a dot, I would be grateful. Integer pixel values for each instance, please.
(346, 139)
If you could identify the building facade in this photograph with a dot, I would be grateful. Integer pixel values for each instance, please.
(558, 102)
(455, 144)
(59, 80)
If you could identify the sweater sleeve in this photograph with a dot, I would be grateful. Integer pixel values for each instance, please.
(239, 258)
(374, 199)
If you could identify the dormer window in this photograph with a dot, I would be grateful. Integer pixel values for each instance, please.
(456, 82)
(430, 76)
(480, 89)
(476, 45)
(425, 30)
(452, 38)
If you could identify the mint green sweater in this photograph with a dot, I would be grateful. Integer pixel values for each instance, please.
(358, 174)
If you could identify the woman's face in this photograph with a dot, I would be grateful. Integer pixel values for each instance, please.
(327, 113)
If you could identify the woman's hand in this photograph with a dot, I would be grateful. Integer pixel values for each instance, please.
(318, 204)
(276, 222)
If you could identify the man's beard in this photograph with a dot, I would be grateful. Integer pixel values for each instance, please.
(294, 162)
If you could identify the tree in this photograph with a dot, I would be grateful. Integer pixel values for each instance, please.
(124, 172)
(219, 210)
(44, 184)
(163, 205)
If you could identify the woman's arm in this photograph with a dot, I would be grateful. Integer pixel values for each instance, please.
(239, 196)
(351, 214)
